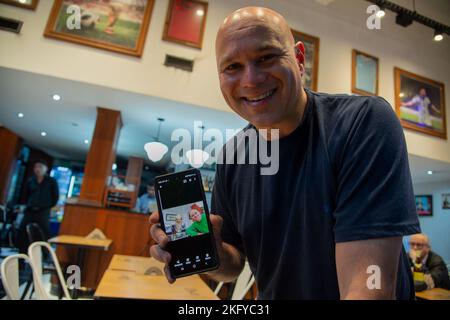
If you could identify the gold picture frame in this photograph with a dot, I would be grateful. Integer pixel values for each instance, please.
(420, 103)
(312, 46)
(117, 27)
(30, 4)
(365, 73)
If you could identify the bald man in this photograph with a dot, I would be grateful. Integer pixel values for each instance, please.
(329, 223)
(430, 262)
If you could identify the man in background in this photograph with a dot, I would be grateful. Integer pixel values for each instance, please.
(41, 194)
(428, 262)
(147, 202)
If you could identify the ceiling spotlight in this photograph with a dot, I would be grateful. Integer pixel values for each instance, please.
(56, 97)
(43, 133)
(438, 36)
(114, 166)
(86, 141)
(20, 115)
(200, 12)
(381, 13)
(429, 172)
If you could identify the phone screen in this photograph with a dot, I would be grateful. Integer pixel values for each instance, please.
(184, 217)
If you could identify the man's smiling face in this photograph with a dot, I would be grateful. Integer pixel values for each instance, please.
(259, 75)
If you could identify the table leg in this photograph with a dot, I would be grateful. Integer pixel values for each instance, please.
(81, 253)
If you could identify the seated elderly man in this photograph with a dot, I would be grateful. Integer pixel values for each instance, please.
(431, 264)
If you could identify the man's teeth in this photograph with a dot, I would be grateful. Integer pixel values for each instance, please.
(263, 96)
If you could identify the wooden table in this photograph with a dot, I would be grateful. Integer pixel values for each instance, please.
(82, 243)
(434, 294)
(141, 265)
(127, 277)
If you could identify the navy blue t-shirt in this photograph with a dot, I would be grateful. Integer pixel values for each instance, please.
(343, 176)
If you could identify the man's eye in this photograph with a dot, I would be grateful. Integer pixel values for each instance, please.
(232, 67)
(267, 57)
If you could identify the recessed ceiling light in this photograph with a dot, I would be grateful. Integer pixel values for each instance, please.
(200, 12)
(430, 172)
(20, 115)
(86, 141)
(43, 133)
(114, 166)
(56, 97)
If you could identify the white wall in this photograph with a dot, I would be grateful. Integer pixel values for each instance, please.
(339, 32)
(437, 227)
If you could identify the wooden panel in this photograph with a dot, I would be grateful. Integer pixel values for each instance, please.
(10, 144)
(129, 232)
(101, 156)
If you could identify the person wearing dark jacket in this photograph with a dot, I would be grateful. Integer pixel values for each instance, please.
(433, 266)
(41, 194)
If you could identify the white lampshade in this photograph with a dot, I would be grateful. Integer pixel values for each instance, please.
(197, 157)
(155, 150)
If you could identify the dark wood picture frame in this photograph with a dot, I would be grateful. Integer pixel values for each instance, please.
(424, 213)
(137, 51)
(361, 91)
(439, 90)
(15, 3)
(167, 36)
(308, 40)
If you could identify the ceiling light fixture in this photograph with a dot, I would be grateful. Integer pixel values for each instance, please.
(43, 133)
(405, 17)
(56, 97)
(156, 150)
(20, 115)
(430, 171)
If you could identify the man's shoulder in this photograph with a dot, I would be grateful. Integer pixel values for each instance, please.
(344, 105)
(434, 259)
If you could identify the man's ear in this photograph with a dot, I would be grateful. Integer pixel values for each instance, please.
(300, 52)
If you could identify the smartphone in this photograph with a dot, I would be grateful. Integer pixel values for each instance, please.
(184, 217)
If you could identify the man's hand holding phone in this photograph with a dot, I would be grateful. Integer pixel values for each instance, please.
(158, 251)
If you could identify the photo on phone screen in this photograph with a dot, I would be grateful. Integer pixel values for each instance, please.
(184, 217)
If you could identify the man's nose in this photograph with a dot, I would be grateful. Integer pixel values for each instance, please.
(252, 77)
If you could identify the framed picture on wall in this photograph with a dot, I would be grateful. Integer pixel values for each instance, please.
(312, 45)
(185, 22)
(446, 201)
(27, 4)
(114, 25)
(364, 73)
(424, 205)
(420, 103)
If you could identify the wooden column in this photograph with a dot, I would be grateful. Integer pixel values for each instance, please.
(10, 144)
(101, 156)
(134, 173)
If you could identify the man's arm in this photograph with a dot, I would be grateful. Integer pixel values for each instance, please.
(55, 192)
(439, 273)
(231, 264)
(353, 260)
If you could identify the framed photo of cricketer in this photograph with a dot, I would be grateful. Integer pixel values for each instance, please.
(311, 58)
(420, 103)
(114, 25)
